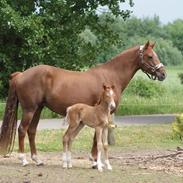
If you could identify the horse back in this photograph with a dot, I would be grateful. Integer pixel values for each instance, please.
(57, 88)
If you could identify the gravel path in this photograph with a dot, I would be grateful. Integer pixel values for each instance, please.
(119, 120)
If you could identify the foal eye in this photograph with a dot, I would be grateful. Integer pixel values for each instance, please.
(150, 57)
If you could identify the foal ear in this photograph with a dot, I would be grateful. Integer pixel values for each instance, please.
(104, 86)
(152, 45)
(113, 87)
(146, 45)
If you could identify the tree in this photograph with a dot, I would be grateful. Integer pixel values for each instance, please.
(175, 33)
(49, 32)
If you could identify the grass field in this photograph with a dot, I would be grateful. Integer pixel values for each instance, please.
(168, 102)
(132, 142)
(157, 136)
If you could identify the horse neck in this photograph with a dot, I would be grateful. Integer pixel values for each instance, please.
(123, 67)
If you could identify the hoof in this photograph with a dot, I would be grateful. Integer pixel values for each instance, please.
(100, 169)
(64, 166)
(37, 160)
(24, 164)
(40, 164)
(94, 165)
(69, 165)
(23, 159)
(109, 168)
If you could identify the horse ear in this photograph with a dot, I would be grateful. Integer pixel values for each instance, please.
(152, 45)
(146, 45)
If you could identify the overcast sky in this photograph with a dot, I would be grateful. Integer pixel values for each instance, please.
(167, 10)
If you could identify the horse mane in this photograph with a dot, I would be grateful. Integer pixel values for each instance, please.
(115, 58)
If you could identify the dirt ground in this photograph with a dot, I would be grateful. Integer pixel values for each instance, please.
(130, 167)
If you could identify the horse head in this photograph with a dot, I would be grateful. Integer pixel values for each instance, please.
(150, 63)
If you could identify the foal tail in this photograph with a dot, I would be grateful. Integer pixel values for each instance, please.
(9, 125)
(67, 118)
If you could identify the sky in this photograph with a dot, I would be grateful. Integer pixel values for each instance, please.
(167, 10)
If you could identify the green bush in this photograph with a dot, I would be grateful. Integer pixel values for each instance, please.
(180, 75)
(145, 88)
(177, 126)
(168, 54)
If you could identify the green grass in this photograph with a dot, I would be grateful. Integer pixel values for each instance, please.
(129, 137)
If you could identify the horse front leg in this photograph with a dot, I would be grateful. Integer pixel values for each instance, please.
(32, 134)
(105, 144)
(99, 131)
(22, 130)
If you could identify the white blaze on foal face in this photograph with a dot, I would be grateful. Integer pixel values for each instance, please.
(110, 95)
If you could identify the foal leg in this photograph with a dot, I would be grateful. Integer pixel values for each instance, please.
(105, 144)
(26, 120)
(94, 152)
(31, 134)
(99, 131)
(66, 139)
(72, 136)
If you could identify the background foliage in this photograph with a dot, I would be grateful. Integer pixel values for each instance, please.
(76, 35)
(49, 32)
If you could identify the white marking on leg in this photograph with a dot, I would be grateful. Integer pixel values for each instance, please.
(64, 158)
(37, 160)
(94, 163)
(99, 162)
(109, 167)
(22, 158)
(69, 159)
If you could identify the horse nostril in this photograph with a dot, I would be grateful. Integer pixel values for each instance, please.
(164, 75)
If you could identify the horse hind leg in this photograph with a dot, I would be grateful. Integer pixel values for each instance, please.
(25, 122)
(32, 134)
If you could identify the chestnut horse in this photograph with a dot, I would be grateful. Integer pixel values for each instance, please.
(96, 117)
(58, 89)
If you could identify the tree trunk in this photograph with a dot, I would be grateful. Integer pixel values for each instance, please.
(111, 137)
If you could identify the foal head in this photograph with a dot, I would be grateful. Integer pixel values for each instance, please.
(107, 96)
(150, 64)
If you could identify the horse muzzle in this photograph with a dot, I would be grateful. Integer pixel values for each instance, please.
(161, 74)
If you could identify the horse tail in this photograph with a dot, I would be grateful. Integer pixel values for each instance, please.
(9, 124)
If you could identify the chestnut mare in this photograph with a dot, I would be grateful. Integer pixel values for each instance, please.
(58, 89)
(96, 117)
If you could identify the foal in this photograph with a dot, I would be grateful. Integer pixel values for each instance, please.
(96, 117)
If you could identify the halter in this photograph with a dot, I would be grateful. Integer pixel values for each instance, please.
(152, 68)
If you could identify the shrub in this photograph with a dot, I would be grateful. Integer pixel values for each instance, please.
(180, 75)
(168, 54)
(177, 126)
(145, 88)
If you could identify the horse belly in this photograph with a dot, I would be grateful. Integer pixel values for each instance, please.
(59, 101)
